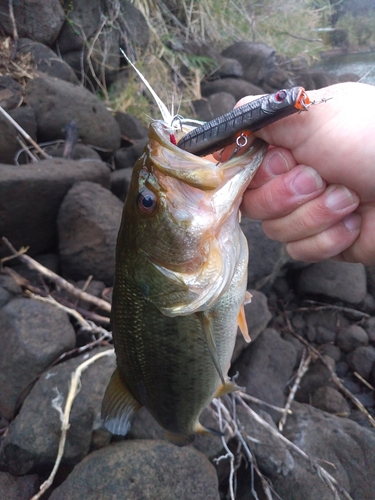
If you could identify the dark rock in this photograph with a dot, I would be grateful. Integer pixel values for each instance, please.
(215, 105)
(125, 158)
(328, 399)
(323, 79)
(257, 318)
(32, 440)
(257, 60)
(50, 261)
(88, 222)
(324, 335)
(136, 25)
(266, 366)
(11, 93)
(120, 182)
(236, 87)
(131, 128)
(351, 337)
(337, 280)
(18, 488)
(332, 440)
(272, 455)
(138, 469)
(330, 320)
(79, 152)
(25, 117)
(8, 142)
(40, 21)
(317, 376)
(369, 326)
(31, 195)
(57, 102)
(264, 253)
(33, 335)
(332, 351)
(9, 289)
(361, 360)
(46, 60)
(342, 368)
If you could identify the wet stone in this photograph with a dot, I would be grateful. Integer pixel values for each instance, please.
(351, 337)
(361, 360)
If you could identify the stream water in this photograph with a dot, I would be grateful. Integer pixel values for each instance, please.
(362, 64)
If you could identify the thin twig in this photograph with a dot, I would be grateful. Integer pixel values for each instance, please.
(33, 264)
(24, 133)
(13, 21)
(257, 401)
(64, 416)
(322, 307)
(302, 369)
(367, 384)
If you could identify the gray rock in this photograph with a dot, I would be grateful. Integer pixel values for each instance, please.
(264, 253)
(236, 87)
(330, 439)
(214, 106)
(317, 376)
(120, 182)
(79, 152)
(18, 488)
(144, 470)
(351, 337)
(46, 60)
(369, 326)
(8, 289)
(40, 21)
(57, 102)
(330, 320)
(11, 93)
(88, 223)
(332, 351)
(257, 318)
(32, 440)
(329, 399)
(33, 335)
(31, 195)
(337, 280)
(266, 366)
(362, 359)
(8, 142)
(324, 335)
(125, 158)
(131, 128)
(257, 60)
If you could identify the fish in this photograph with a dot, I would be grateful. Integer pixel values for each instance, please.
(180, 284)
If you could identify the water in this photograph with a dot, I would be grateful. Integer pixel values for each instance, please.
(362, 65)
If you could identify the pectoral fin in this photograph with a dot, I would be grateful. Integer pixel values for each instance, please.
(206, 323)
(119, 406)
(242, 323)
(227, 388)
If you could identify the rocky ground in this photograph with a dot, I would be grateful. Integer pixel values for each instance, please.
(312, 326)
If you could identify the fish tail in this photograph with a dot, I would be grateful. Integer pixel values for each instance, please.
(119, 407)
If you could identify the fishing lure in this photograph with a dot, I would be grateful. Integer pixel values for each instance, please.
(236, 125)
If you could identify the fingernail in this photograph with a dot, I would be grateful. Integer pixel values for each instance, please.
(339, 198)
(307, 181)
(276, 164)
(352, 222)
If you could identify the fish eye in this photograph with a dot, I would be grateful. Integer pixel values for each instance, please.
(146, 201)
(280, 96)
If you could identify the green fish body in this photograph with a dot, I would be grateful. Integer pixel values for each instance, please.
(180, 285)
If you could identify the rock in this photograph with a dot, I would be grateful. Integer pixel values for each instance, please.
(138, 469)
(40, 21)
(125, 158)
(329, 399)
(120, 182)
(18, 488)
(79, 152)
(257, 318)
(369, 326)
(332, 351)
(324, 335)
(8, 142)
(351, 337)
(265, 367)
(11, 93)
(31, 195)
(336, 280)
(215, 105)
(257, 60)
(131, 128)
(88, 223)
(331, 440)
(57, 102)
(136, 25)
(324, 325)
(32, 440)
(46, 60)
(236, 87)
(317, 376)
(9, 289)
(361, 360)
(33, 335)
(264, 253)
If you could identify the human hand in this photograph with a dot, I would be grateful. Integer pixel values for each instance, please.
(315, 190)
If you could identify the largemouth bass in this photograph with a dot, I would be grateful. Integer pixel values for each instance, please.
(180, 285)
